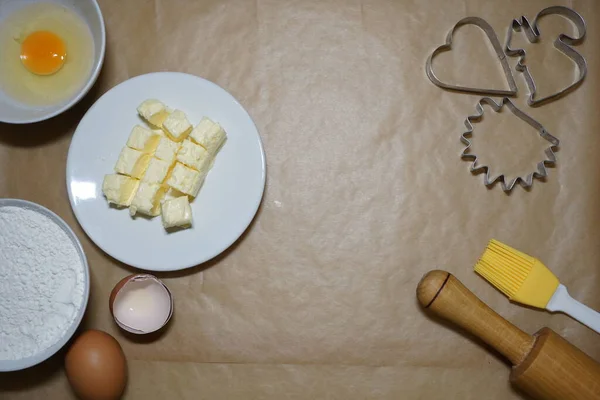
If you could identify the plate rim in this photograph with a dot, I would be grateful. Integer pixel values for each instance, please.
(44, 355)
(237, 236)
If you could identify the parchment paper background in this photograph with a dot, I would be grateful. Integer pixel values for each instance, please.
(365, 193)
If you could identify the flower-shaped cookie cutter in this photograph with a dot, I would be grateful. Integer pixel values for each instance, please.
(562, 43)
(491, 34)
(526, 181)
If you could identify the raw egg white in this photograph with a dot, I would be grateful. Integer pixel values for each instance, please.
(141, 304)
(46, 54)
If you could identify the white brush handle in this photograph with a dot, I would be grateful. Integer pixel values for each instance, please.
(563, 302)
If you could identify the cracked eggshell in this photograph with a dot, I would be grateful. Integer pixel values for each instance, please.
(122, 286)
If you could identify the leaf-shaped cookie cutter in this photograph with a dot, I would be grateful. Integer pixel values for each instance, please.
(561, 43)
(491, 34)
(526, 181)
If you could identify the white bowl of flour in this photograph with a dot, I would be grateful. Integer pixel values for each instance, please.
(44, 284)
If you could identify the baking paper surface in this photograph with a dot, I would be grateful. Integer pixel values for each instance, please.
(365, 193)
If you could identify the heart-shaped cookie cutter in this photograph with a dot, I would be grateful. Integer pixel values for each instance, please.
(561, 43)
(525, 181)
(491, 34)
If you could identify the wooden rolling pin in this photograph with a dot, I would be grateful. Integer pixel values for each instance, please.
(545, 366)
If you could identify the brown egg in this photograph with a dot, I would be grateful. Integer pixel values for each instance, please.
(96, 366)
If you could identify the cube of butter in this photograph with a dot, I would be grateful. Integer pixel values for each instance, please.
(119, 189)
(132, 162)
(186, 180)
(143, 139)
(147, 199)
(177, 213)
(153, 111)
(195, 156)
(177, 126)
(166, 149)
(209, 135)
(157, 171)
(172, 194)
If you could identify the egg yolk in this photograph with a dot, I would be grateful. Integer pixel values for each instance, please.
(43, 53)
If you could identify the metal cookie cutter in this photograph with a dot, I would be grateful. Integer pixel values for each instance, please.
(491, 34)
(561, 43)
(526, 181)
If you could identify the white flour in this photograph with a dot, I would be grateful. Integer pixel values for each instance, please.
(41, 282)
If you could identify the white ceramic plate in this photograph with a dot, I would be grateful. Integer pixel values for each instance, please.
(226, 203)
(15, 365)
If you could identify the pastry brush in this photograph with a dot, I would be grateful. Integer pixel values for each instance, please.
(524, 279)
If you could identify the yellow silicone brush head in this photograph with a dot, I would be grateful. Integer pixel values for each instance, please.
(520, 277)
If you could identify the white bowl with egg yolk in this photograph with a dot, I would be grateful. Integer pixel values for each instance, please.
(14, 110)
